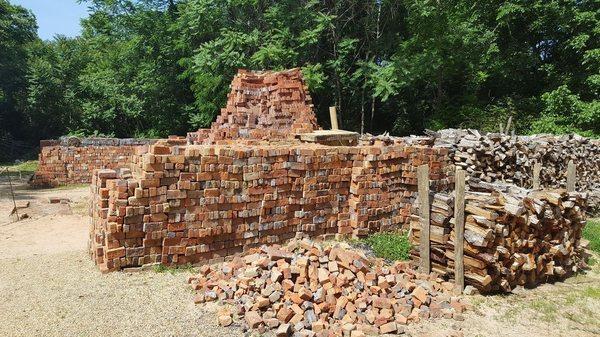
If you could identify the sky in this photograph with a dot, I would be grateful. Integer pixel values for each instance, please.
(55, 16)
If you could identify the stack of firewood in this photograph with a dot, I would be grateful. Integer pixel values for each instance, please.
(500, 157)
(513, 236)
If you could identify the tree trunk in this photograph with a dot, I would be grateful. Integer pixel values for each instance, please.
(372, 111)
(362, 111)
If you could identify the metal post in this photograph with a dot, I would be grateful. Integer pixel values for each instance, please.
(12, 193)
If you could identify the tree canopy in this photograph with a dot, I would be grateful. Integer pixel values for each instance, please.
(150, 68)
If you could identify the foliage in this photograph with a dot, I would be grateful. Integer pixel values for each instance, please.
(159, 67)
(391, 246)
(27, 167)
(591, 232)
(17, 32)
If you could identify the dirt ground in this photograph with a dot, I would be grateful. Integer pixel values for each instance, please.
(49, 287)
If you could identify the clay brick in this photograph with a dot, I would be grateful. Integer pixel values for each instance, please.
(253, 319)
(388, 328)
(420, 293)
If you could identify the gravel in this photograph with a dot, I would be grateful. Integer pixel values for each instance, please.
(65, 295)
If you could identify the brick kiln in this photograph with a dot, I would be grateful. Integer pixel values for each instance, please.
(232, 190)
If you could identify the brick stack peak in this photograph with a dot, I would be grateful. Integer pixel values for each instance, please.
(310, 289)
(263, 105)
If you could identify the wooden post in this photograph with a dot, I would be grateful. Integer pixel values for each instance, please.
(333, 117)
(459, 229)
(507, 128)
(537, 168)
(12, 193)
(571, 174)
(424, 246)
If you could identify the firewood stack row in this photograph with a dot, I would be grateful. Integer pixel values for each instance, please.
(500, 157)
(513, 236)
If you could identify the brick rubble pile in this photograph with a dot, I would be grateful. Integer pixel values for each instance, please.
(309, 289)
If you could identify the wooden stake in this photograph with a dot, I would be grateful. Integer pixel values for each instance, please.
(12, 193)
(333, 117)
(571, 174)
(424, 249)
(507, 128)
(459, 217)
(537, 168)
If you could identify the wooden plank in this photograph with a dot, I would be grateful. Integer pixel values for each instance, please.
(333, 117)
(571, 174)
(537, 168)
(330, 137)
(424, 246)
(459, 218)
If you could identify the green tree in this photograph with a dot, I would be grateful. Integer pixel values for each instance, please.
(159, 67)
(17, 31)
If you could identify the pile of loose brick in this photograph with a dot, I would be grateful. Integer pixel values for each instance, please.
(262, 105)
(72, 160)
(308, 289)
(201, 203)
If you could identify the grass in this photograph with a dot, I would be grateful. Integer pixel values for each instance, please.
(591, 232)
(390, 246)
(592, 292)
(161, 268)
(29, 166)
(70, 187)
(545, 308)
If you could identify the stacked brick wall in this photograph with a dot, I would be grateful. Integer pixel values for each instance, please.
(199, 203)
(73, 160)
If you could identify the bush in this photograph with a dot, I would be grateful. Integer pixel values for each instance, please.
(391, 246)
